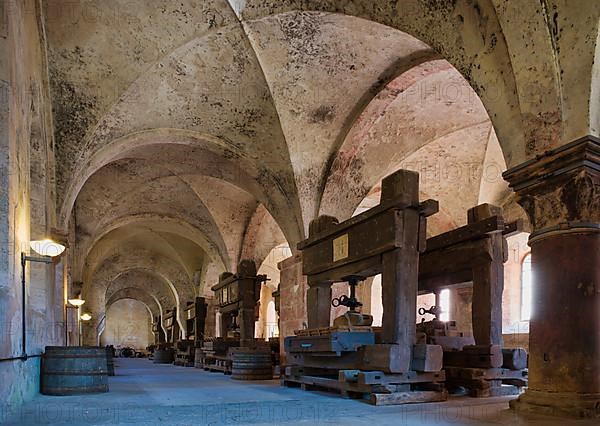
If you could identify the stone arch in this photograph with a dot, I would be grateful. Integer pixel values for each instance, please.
(169, 273)
(262, 235)
(469, 35)
(240, 171)
(126, 331)
(137, 294)
(143, 283)
(162, 223)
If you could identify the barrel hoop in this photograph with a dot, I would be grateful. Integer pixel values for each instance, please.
(73, 391)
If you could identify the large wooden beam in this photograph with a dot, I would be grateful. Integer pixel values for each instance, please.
(318, 309)
(488, 283)
(400, 277)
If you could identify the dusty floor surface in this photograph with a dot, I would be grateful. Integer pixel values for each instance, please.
(148, 394)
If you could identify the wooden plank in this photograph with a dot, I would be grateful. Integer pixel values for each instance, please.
(365, 239)
(412, 397)
(466, 233)
(336, 342)
(397, 192)
(294, 370)
(483, 356)
(484, 373)
(376, 392)
(439, 265)
(365, 267)
(381, 378)
(318, 308)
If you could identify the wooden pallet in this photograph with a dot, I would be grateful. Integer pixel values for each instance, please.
(216, 363)
(375, 387)
(326, 331)
(487, 382)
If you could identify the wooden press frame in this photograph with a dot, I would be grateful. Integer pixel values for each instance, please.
(386, 240)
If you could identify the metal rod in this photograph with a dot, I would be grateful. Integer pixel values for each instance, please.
(23, 311)
(66, 325)
(20, 358)
(24, 260)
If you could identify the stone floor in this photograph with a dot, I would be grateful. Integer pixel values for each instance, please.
(145, 393)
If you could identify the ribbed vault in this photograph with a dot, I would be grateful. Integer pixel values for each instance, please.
(192, 135)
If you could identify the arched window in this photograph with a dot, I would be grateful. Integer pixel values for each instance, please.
(376, 302)
(272, 327)
(526, 288)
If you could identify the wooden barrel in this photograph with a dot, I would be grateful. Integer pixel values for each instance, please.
(110, 362)
(250, 364)
(74, 370)
(163, 356)
(198, 358)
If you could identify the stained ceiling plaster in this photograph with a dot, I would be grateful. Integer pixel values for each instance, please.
(202, 132)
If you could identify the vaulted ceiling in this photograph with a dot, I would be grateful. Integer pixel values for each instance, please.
(192, 134)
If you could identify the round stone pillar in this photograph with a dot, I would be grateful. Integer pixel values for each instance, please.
(560, 193)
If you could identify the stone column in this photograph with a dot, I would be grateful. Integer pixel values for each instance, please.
(292, 304)
(560, 193)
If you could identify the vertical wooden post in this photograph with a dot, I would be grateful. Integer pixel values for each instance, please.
(399, 279)
(201, 309)
(318, 299)
(488, 284)
(246, 285)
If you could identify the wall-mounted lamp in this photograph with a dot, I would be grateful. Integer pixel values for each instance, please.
(47, 247)
(48, 251)
(77, 302)
(85, 317)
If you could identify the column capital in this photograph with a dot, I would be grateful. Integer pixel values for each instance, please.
(560, 189)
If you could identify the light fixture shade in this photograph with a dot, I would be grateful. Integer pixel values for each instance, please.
(86, 317)
(47, 247)
(76, 302)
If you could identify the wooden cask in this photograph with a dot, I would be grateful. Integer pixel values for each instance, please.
(251, 364)
(163, 356)
(74, 370)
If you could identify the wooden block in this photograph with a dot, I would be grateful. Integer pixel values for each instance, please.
(484, 356)
(514, 359)
(483, 211)
(513, 228)
(371, 377)
(350, 376)
(388, 358)
(427, 358)
(453, 343)
(404, 185)
(322, 224)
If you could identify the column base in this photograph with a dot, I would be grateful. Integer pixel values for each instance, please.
(566, 404)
